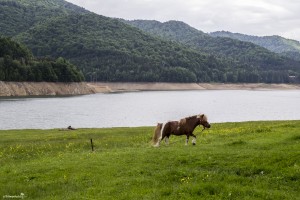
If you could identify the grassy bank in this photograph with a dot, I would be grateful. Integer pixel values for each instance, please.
(251, 160)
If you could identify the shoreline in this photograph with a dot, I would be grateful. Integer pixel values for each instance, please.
(32, 89)
(27, 89)
(65, 129)
(114, 87)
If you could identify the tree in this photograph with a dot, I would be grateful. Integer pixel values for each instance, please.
(16, 64)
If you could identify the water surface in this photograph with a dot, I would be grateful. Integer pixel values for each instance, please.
(147, 108)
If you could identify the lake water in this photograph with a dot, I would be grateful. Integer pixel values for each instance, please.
(147, 108)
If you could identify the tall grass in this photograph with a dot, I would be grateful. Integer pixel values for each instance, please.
(250, 160)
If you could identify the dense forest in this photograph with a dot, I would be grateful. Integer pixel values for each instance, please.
(277, 44)
(107, 49)
(18, 64)
(248, 62)
(17, 16)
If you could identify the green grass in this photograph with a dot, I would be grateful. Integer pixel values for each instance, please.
(251, 160)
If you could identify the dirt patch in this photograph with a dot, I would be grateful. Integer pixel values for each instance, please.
(54, 89)
(103, 87)
(44, 89)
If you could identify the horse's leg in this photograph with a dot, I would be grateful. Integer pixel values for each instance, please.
(194, 139)
(161, 137)
(158, 143)
(167, 140)
(187, 140)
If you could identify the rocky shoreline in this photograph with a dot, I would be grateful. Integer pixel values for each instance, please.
(8, 89)
(108, 87)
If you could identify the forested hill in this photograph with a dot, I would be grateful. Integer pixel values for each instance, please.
(18, 64)
(17, 16)
(277, 44)
(107, 49)
(245, 53)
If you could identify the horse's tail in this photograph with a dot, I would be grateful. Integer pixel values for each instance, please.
(157, 134)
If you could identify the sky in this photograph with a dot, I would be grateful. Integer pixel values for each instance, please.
(252, 17)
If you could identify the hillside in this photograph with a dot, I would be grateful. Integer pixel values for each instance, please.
(245, 56)
(277, 44)
(17, 16)
(18, 64)
(107, 49)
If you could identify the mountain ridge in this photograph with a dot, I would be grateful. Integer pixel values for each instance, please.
(107, 49)
(27, 14)
(93, 40)
(241, 53)
(274, 43)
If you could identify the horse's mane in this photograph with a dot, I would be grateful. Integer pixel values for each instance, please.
(191, 117)
(184, 120)
(204, 117)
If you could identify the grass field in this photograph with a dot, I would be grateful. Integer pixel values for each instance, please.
(251, 160)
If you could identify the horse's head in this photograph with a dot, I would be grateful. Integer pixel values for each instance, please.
(203, 121)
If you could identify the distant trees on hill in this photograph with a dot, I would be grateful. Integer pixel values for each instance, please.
(106, 49)
(18, 64)
(243, 61)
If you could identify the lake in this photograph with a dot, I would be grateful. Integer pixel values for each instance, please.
(134, 109)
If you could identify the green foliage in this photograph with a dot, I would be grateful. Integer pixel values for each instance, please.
(178, 74)
(106, 49)
(277, 44)
(17, 64)
(250, 160)
(246, 61)
(20, 15)
(110, 50)
(13, 50)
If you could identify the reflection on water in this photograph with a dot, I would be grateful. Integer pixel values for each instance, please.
(147, 108)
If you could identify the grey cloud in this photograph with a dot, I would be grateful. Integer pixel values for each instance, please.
(255, 17)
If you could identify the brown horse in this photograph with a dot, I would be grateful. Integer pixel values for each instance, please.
(185, 126)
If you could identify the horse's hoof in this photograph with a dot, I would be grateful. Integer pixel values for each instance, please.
(194, 143)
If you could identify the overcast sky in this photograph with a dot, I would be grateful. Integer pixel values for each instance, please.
(252, 17)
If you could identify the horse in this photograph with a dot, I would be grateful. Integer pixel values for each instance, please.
(185, 126)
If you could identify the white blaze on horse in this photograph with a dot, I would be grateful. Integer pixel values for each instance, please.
(185, 126)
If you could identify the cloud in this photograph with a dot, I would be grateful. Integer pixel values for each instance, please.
(254, 17)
